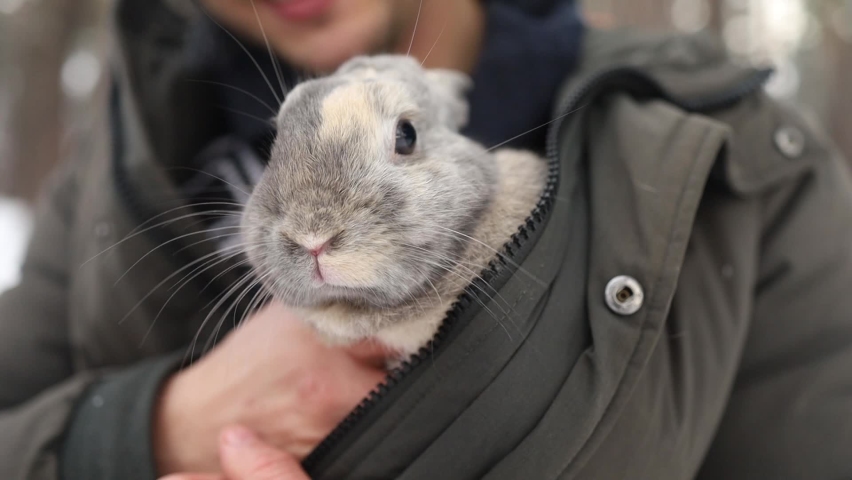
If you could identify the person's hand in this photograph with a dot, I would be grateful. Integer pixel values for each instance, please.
(246, 457)
(272, 375)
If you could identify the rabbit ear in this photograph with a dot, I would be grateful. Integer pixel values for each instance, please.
(449, 89)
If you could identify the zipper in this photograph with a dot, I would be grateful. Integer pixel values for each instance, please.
(623, 78)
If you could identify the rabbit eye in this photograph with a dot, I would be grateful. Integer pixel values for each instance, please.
(406, 137)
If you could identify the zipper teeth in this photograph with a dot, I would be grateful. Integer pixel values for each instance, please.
(646, 85)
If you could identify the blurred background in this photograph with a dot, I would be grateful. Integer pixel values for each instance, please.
(53, 63)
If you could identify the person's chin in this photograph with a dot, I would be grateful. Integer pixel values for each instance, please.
(325, 54)
(327, 47)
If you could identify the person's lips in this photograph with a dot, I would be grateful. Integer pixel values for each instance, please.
(300, 10)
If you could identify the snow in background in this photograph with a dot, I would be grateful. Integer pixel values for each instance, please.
(15, 228)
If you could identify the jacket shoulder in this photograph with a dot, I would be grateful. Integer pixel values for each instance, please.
(770, 141)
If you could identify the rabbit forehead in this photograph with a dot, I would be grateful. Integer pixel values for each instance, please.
(362, 104)
(344, 107)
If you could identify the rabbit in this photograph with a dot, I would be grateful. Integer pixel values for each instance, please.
(375, 213)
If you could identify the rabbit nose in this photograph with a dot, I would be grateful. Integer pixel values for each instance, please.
(316, 245)
(317, 248)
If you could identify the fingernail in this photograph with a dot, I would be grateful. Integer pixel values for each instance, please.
(239, 436)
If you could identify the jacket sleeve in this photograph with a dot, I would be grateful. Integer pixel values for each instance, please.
(44, 404)
(790, 413)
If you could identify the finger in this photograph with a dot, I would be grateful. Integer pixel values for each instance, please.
(193, 476)
(371, 352)
(246, 457)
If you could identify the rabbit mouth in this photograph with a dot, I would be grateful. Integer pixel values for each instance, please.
(353, 297)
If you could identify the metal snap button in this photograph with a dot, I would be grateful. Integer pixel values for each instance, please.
(624, 295)
(790, 141)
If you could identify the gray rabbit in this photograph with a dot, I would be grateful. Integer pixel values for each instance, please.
(375, 213)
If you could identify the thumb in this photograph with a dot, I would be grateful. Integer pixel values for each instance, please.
(245, 457)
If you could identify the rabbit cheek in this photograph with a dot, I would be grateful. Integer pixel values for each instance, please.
(355, 270)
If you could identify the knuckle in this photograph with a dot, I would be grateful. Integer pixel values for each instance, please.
(316, 390)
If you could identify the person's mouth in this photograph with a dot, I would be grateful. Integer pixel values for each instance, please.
(300, 10)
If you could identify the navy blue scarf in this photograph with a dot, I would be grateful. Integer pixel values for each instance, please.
(525, 59)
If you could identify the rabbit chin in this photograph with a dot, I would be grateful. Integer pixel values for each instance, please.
(345, 324)
(312, 293)
(336, 324)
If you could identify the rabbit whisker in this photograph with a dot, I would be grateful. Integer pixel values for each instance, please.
(272, 58)
(414, 32)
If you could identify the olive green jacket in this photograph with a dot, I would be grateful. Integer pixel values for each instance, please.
(683, 309)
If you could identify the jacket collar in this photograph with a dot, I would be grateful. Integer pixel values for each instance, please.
(692, 70)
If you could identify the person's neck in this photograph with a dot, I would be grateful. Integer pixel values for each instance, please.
(449, 34)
